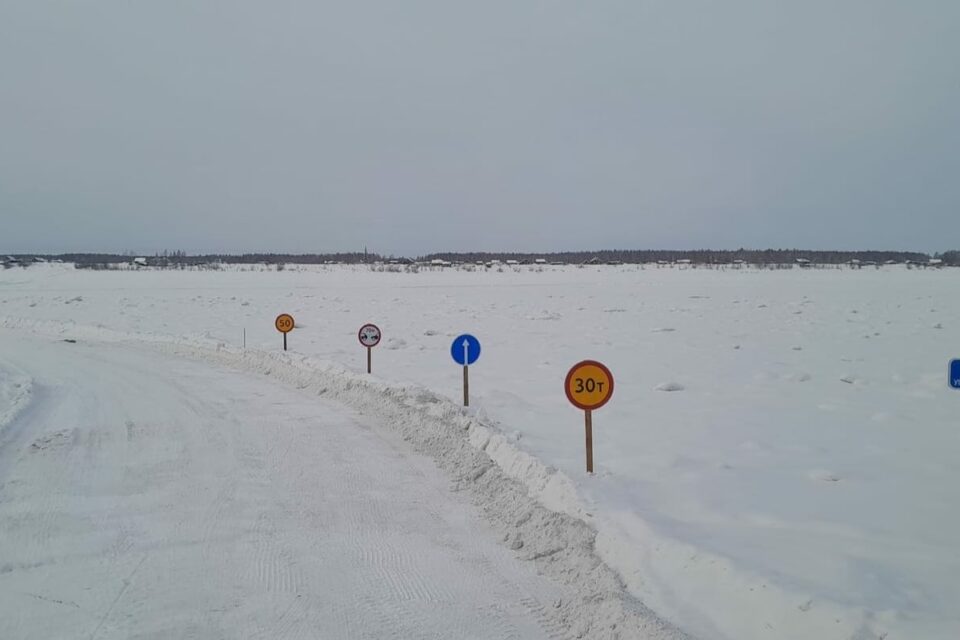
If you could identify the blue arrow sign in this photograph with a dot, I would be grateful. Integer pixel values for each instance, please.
(955, 374)
(465, 349)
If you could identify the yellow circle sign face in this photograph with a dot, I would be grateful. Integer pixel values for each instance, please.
(589, 385)
(284, 323)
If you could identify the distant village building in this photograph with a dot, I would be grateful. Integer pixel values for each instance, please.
(140, 262)
(803, 262)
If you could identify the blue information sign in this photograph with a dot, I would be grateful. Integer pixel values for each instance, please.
(955, 374)
(465, 349)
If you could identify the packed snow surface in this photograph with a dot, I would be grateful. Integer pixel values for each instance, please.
(156, 497)
(799, 480)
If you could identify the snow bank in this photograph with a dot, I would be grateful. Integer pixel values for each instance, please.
(15, 392)
(535, 508)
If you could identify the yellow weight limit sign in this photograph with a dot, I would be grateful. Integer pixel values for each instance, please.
(589, 386)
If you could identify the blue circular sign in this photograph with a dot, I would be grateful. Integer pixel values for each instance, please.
(465, 349)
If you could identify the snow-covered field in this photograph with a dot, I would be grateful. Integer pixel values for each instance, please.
(798, 481)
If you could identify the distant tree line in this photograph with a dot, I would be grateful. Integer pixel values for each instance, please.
(951, 258)
(626, 256)
(181, 258)
(357, 257)
(699, 256)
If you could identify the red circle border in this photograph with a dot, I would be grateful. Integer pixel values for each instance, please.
(360, 331)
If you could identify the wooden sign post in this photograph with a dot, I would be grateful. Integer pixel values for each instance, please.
(589, 386)
(284, 324)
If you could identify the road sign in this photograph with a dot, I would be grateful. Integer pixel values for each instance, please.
(284, 324)
(955, 374)
(589, 385)
(369, 336)
(465, 349)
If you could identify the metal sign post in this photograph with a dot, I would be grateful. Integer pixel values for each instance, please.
(284, 324)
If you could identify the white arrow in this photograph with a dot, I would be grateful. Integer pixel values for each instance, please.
(466, 352)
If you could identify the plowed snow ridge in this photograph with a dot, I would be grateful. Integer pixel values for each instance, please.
(15, 391)
(535, 507)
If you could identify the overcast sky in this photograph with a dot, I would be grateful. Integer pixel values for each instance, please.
(425, 125)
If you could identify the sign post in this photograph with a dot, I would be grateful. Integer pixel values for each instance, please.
(465, 350)
(284, 324)
(955, 374)
(589, 386)
(370, 337)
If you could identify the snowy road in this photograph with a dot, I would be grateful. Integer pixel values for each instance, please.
(143, 496)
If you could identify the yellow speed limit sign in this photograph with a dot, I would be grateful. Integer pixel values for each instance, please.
(589, 385)
(284, 323)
